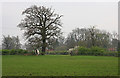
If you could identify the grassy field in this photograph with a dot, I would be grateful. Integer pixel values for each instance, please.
(59, 65)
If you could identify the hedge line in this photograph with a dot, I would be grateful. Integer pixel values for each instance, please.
(22, 52)
(13, 52)
(96, 51)
(57, 53)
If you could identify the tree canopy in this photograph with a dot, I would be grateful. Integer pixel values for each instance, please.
(42, 24)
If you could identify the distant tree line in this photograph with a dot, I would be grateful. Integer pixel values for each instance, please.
(89, 37)
(91, 41)
(86, 37)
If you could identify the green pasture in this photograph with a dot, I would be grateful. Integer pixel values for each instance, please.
(59, 65)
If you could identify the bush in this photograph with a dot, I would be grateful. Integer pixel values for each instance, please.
(25, 51)
(111, 54)
(19, 51)
(57, 53)
(83, 51)
(13, 52)
(5, 52)
(97, 51)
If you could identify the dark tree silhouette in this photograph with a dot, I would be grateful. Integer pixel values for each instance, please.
(41, 22)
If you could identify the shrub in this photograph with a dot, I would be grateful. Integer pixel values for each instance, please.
(13, 52)
(83, 51)
(25, 51)
(57, 52)
(5, 52)
(111, 54)
(97, 51)
(64, 53)
(20, 51)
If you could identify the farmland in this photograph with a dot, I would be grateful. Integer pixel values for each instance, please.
(59, 65)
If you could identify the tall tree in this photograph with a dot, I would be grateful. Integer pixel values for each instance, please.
(16, 41)
(88, 37)
(43, 22)
(11, 42)
(92, 35)
(115, 40)
(70, 41)
(6, 42)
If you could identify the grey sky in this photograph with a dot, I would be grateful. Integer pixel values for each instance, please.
(76, 14)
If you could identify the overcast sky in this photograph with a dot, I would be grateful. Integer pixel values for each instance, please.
(104, 15)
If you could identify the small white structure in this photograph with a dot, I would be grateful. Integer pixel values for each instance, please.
(76, 47)
(72, 49)
(37, 52)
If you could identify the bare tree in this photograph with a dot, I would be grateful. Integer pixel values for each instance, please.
(11, 42)
(77, 37)
(6, 42)
(115, 40)
(92, 35)
(88, 37)
(41, 22)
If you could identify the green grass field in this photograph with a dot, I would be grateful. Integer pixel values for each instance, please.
(59, 65)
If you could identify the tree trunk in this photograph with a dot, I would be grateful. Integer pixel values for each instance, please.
(44, 40)
(93, 42)
(44, 46)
